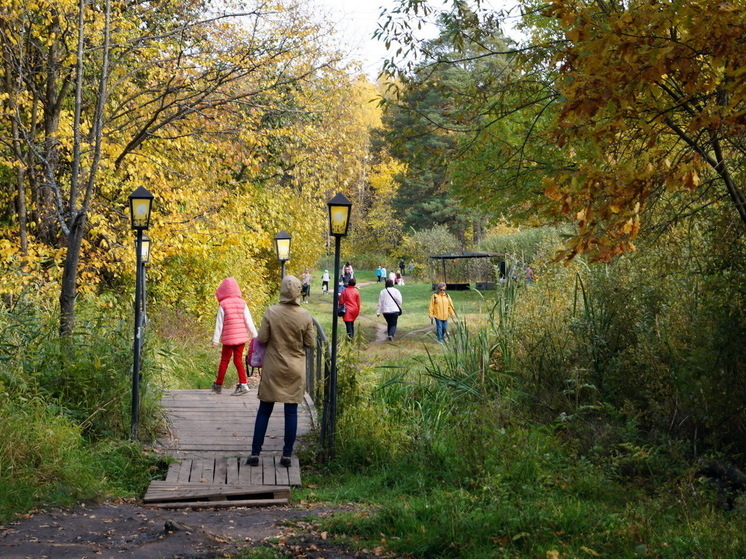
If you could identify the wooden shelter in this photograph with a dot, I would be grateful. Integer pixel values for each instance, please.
(458, 270)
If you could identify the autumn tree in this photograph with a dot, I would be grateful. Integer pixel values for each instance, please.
(641, 99)
(88, 89)
(659, 106)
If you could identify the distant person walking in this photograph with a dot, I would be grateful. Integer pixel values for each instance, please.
(389, 304)
(286, 330)
(347, 273)
(325, 281)
(305, 280)
(350, 298)
(379, 275)
(441, 309)
(234, 327)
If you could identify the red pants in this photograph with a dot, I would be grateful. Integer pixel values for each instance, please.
(235, 351)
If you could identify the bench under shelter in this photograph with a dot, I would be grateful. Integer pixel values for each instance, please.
(458, 270)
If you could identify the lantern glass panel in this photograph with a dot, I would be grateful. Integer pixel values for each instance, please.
(283, 249)
(140, 213)
(338, 217)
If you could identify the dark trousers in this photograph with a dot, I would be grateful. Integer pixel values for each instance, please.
(391, 319)
(350, 328)
(262, 421)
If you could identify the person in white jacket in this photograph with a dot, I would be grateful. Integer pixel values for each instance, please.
(389, 304)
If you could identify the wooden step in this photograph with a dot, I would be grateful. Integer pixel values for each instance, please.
(224, 482)
(165, 494)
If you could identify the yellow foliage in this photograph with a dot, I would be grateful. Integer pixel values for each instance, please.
(653, 85)
(261, 153)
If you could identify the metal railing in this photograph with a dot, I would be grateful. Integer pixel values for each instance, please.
(317, 364)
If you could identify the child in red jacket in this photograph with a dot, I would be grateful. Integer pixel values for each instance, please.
(234, 327)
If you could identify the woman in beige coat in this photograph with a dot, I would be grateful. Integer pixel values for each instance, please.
(286, 330)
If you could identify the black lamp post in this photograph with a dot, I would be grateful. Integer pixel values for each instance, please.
(140, 202)
(339, 221)
(282, 247)
(144, 259)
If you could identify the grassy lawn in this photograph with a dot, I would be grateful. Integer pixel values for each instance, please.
(414, 326)
(442, 455)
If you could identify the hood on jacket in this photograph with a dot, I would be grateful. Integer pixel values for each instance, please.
(228, 288)
(290, 290)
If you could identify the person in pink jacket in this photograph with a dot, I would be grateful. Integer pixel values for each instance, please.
(350, 298)
(234, 328)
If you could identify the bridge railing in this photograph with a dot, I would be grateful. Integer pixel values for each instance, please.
(317, 363)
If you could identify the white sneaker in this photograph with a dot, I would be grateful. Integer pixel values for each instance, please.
(240, 390)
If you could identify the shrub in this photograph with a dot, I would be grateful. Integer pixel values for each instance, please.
(66, 408)
(42, 455)
(420, 245)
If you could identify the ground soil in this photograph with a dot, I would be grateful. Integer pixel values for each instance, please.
(126, 529)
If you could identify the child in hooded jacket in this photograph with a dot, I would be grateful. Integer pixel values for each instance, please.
(234, 328)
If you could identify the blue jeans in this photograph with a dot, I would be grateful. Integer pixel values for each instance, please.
(441, 329)
(262, 421)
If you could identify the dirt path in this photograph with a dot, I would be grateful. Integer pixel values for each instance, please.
(109, 530)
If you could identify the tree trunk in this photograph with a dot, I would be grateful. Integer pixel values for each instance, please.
(736, 194)
(69, 290)
(22, 210)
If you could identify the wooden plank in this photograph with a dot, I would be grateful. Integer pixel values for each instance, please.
(209, 471)
(163, 491)
(244, 472)
(241, 404)
(281, 473)
(191, 493)
(221, 470)
(198, 465)
(222, 504)
(181, 490)
(256, 474)
(173, 471)
(231, 477)
(218, 443)
(267, 463)
(294, 472)
(185, 470)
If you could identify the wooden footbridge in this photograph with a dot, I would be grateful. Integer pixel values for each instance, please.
(210, 435)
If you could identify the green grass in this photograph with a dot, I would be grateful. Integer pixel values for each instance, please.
(442, 448)
(65, 406)
(413, 326)
(438, 449)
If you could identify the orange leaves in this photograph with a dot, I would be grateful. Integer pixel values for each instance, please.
(691, 179)
(647, 91)
(605, 205)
